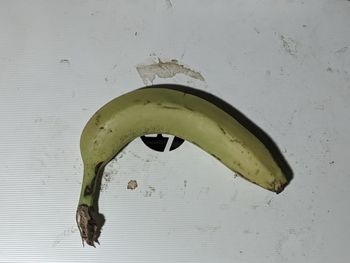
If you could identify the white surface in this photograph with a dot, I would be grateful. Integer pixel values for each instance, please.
(285, 64)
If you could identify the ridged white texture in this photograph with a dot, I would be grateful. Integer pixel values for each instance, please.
(301, 100)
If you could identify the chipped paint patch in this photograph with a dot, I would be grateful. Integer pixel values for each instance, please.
(132, 184)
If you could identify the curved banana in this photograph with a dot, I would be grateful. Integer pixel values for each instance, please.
(162, 110)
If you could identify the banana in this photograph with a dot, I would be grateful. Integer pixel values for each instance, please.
(177, 112)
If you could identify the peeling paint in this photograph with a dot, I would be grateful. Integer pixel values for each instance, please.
(166, 69)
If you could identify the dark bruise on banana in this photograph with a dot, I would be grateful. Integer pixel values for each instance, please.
(166, 110)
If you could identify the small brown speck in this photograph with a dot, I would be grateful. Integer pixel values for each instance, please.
(132, 184)
(97, 119)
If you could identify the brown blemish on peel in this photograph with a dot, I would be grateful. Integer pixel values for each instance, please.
(216, 157)
(89, 189)
(171, 107)
(97, 119)
(222, 129)
(97, 167)
(189, 108)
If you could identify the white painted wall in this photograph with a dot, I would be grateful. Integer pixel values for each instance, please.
(285, 64)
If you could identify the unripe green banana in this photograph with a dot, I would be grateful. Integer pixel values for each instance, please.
(156, 110)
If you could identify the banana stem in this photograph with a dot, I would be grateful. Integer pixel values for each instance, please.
(88, 219)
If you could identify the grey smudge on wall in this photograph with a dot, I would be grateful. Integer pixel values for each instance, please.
(289, 45)
(341, 51)
(150, 191)
(39, 119)
(106, 179)
(165, 69)
(279, 246)
(66, 233)
(208, 228)
(224, 206)
(269, 202)
(168, 3)
(185, 185)
(233, 198)
(204, 190)
(246, 231)
(64, 61)
(291, 118)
